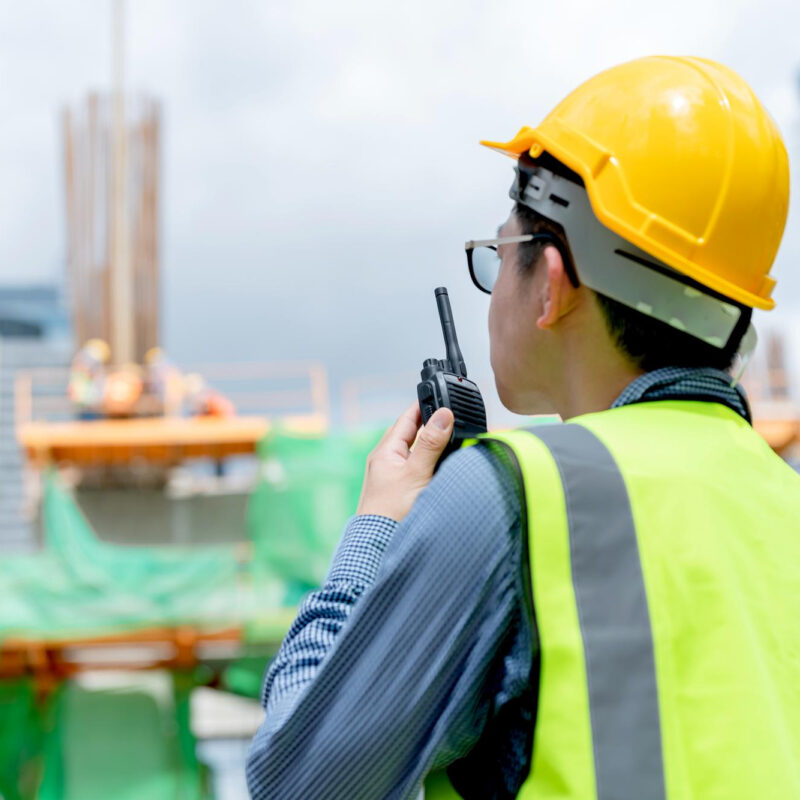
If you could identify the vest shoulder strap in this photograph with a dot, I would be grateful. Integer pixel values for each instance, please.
(609, 595)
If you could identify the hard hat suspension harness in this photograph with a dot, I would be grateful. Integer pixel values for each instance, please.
(615, 268)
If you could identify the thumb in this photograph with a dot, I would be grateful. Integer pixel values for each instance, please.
(432, 440)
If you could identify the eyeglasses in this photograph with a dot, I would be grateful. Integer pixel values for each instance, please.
(484, 261)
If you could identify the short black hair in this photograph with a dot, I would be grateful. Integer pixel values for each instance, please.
(646, 342)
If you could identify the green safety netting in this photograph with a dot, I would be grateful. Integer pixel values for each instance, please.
(81, 586)
(309, 487)
(78, 743)
(23, 722)
(124, 743)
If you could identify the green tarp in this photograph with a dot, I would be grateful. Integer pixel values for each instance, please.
(23, 723)
(80, 585)
(121, 745)
(125, 744)
(309, 487)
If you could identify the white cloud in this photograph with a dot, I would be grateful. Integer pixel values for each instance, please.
(320, 159)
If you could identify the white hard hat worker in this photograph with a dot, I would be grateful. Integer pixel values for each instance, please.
(606, 607)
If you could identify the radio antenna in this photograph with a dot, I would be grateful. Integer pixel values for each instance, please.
(454, 356)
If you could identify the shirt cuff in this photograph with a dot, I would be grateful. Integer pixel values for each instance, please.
(358, 556)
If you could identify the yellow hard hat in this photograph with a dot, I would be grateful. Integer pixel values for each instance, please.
(153, 354)
(98, 349)
(680, 158)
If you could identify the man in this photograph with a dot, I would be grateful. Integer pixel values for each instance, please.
(605, 608)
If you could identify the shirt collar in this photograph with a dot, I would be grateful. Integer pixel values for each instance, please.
(686, 383)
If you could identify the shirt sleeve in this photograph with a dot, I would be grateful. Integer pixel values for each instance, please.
(394, 666)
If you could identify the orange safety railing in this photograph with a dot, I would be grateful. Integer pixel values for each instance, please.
(382, 398)
(275, 390)
(294, 395)
(767, 381)
(378, 398)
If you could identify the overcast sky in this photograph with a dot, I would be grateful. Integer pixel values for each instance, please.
(320, 164)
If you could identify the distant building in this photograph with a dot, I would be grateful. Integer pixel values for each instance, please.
(35, 332)
(36, 312)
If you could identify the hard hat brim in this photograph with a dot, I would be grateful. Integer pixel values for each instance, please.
(583, 156)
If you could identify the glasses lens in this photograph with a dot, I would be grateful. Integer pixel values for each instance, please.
(485, 267)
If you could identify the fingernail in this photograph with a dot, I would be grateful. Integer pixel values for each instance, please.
(441, 419)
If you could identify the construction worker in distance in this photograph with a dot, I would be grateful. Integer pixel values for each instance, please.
(608, 607)
(163, 383)
(87, 379)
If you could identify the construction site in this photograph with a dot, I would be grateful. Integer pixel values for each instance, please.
(162, 518)
(162, 523)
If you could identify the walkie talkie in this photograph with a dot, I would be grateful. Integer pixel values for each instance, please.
(444, 383)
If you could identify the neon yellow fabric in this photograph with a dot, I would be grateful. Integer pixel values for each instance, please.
(562, 748)
(438, 786)
(716, 515)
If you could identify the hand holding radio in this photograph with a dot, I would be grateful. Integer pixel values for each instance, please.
(395, 475)
(451, 409)
(444, 383)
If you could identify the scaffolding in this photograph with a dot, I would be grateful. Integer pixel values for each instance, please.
(112, 197)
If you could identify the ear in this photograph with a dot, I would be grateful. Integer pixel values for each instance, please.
(559, 293)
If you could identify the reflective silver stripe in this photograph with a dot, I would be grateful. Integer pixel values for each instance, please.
(613, 616)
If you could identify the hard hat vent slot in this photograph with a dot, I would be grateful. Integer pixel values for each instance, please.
(616, 268)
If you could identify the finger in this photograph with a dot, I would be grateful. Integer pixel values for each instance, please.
(414, 409)
(402, 434)
(432, 440)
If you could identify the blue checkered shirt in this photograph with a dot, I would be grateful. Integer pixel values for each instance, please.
(419, 651)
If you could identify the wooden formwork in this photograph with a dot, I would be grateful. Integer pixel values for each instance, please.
(111, 171)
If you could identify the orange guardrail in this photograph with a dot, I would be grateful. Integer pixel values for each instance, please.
(293, 395)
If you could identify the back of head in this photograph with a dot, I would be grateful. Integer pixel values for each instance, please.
(670, 183)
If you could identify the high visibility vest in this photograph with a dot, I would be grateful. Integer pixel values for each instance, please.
(664, 544)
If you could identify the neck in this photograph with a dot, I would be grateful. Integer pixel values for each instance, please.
(593, 374)
(594, 387)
